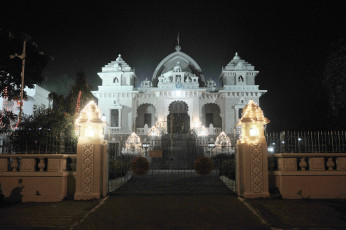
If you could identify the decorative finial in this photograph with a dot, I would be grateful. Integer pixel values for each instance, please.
(178, 48)
(178, 39)
(119, 57)
(236, 57)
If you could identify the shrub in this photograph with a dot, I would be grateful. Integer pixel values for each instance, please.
(118, 168)
(219, 158)
(140, 166)
(228, 168)
(203, 165)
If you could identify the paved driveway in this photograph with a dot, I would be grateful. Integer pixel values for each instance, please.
(173, 201)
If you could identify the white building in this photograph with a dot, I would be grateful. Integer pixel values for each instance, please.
(37, 96)
(177, 87)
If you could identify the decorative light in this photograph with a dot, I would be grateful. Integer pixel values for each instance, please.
(222, 140)
(203, 131)
(89, 132)
(254, 131)
(270, 149)
(211, 145)
(78, 102)
(6, 110)
(196, 123)
(252, 123)
(154, 132)
(89, 123)
(133, 142)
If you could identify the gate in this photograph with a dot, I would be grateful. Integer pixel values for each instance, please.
(176, 164)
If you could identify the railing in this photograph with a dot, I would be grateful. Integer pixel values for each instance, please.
(142, 131)
(24, 142)
(306, 142)
(112, 130)
(37, 162)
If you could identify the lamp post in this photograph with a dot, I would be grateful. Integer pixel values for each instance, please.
(146, 146)
(210, 146)
(22, 56)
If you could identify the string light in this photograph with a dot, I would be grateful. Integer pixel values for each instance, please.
(222, 139)
(154, 132)
(6, 110)
(252, 122)
(78, 102)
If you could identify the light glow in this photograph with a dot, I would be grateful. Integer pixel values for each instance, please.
(252, 123)
(254, 131)
(89, 123)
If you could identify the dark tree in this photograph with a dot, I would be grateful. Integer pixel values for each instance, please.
(10, 68)
(82, 90)
(334, 83)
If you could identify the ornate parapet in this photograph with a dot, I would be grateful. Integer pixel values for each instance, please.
(37, 177)
(310, 175)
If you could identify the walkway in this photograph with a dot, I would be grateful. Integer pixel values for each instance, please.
(164, 182)
(173, 200)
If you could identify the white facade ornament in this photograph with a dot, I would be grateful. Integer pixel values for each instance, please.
(177, 77)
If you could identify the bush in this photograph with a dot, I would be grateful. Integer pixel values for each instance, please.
(118, 168)
(228, 168)
(203, 165)
(126, 157)
(219, 158)
(140, 166)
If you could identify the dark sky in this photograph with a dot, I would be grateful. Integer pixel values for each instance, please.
(287, 41)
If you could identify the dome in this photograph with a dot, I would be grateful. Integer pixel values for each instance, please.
(184, 61)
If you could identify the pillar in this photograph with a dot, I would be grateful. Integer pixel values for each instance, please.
(252, 155)
(92, 156)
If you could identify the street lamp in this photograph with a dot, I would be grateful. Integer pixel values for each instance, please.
(146, 146)
(22, 56)
(210, 146)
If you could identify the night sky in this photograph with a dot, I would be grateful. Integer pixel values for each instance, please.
(287, 41)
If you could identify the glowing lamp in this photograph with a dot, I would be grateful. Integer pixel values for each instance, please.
(252, 124)
(89, 132)
(89, 124)
(254, 131)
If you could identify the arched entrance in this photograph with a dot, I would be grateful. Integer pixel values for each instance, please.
(145, 115)
(178, 120)
(211, 115)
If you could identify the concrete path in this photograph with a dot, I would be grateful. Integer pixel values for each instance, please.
(172, 212)
(163, 182)
(173, 201)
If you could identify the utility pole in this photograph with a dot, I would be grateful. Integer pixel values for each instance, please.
(22, 56)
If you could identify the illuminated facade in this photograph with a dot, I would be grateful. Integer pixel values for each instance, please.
(177, 99)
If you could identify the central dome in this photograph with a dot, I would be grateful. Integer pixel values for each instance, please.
(186, 63)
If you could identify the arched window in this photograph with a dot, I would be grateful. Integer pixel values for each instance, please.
(240, 78)
(116, 80)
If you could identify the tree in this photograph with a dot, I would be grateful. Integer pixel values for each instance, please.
(334, 83)
(10, 69)
(79, 95)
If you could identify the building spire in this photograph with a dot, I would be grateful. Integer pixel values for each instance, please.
(178, 39)
(178, 48)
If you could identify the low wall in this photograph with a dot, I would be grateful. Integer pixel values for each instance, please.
(310, 175)
(37, 177)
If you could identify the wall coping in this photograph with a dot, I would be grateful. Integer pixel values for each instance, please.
(284, 155)
(54, 156)
(308, 173)
(35, 174)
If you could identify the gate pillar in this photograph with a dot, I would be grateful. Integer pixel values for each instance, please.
(92, 157)
(252, 154)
